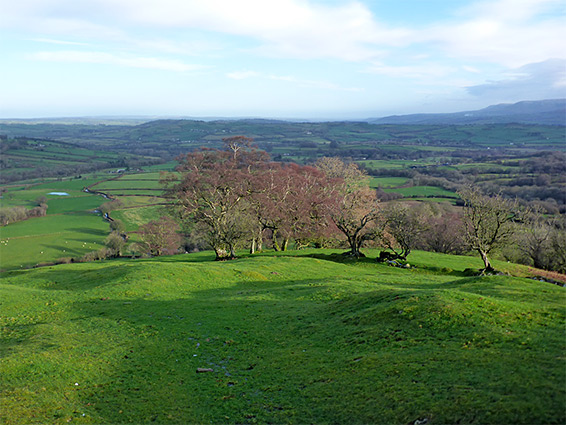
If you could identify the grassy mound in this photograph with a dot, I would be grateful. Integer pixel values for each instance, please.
(278, 339)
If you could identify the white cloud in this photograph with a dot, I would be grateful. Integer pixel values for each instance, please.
(543, 80)
(318, 84)
(419, 72)
(242, 75)
(111, 59)
(62, 42)
(289, 28)
(506, 32)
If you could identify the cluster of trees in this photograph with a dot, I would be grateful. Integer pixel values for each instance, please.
(14, 214)
(236, 196)
(232, 197)
(540, 241)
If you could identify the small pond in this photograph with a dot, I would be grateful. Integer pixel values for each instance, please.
(58, 193)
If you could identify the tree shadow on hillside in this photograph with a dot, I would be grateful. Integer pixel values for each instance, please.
(247, 342)
(274, 354)
(88, 231)
(65, 251)
(79, 280)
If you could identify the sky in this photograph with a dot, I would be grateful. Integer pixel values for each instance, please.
(304, 59)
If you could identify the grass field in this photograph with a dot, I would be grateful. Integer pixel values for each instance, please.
(135, 217)
(30, 155)
(287, 339)
(387, 182)
(71, 229)
(423, 191)
(46, 239)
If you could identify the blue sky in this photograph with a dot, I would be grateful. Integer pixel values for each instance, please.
(320, 59)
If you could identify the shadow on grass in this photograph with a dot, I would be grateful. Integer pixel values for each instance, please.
(296, 351)
(68, 252)
(89, 231)
(80, 280)
(278, 354)
(253, 339)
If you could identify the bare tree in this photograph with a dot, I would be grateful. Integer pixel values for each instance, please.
(534, 238)
(160, 237)
(210, 192)
(488, 221)
(404, 226)
(115, 244)
(289, 200)
(355, 211)
(213, 191)
(444, 233)
(558, 245)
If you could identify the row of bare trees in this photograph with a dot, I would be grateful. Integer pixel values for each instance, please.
(14, 214)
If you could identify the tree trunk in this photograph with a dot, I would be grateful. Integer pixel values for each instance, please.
(275, 243)
(284, 244)
(355, 245)
(488, 267)
(259, 244)
(253, 246)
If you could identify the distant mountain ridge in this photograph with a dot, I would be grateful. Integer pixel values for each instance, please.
(546, 112)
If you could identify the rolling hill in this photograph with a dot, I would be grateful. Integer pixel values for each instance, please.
(279, 339)
(544, 112)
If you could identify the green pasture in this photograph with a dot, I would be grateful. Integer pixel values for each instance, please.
(141, 176)
(303, 338)
(387, 182)
(135, 217)
(67, 204)
(127, 184)
(166, 166)
(49, 238)
(432, 200)
(65, 185)
(24, 162)
(423, 191)
(376, 164)
(140, 201)
(132, 192)
(76, 200)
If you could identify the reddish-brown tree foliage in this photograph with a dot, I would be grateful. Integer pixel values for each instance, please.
(355, 210)
(160, 237)
(213, 191)
(290, 201)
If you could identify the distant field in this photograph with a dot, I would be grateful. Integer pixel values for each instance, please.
(128, 184)
(70, 228)
(141, 176)
(133, 192)
(48, 157)
(168, 166)
(424, 191)
(135, 217)
(390, 164)
(387, 182)
(45, 239)
(64, 204)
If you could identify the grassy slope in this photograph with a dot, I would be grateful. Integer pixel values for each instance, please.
(290, 340)
(49, 238)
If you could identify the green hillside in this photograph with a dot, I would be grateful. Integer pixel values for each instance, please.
(281, 339)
